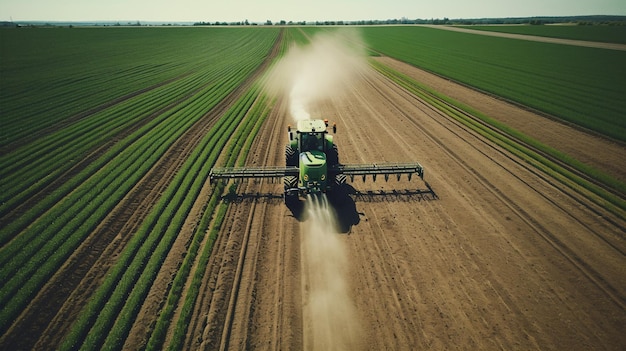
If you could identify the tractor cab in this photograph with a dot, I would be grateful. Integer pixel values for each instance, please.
(312, 135)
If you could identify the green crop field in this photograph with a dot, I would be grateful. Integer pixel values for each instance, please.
(143, 88)
(584, 86)
(52, 74)
(88, 115)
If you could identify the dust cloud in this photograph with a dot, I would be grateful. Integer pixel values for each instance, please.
(322, 69)
(306, 75)
(330, 319)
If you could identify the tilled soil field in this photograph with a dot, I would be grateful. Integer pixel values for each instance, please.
(485, 253)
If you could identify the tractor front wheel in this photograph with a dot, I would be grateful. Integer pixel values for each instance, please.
(291, 158)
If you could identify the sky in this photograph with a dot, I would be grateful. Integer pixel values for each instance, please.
(294, 10)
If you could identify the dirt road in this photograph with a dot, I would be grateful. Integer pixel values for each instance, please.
(590, 44)
(488, 254)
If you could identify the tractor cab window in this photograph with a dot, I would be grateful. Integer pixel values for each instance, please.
(312, 141)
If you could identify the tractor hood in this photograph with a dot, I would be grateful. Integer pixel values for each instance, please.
(313, 158)
(312, 171)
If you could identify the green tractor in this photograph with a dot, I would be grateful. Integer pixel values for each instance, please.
(312, 164)
(313, 152)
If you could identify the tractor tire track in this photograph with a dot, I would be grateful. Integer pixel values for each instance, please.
(258, 316)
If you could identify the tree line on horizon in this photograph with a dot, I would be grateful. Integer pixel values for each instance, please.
(538, 20)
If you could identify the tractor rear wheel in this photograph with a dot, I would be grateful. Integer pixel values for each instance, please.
(290, 183)
(340, 179)
(332, 158)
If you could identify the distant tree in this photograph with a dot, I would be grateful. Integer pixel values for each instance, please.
(268, 23)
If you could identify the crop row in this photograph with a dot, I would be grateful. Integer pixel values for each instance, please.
(578, 84)
(33, 254)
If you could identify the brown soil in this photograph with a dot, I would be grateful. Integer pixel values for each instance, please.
(486, 254)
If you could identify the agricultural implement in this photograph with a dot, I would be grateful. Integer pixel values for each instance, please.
(312, 164)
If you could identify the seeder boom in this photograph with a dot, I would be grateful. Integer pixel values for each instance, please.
(385, 169)
(312, 164)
